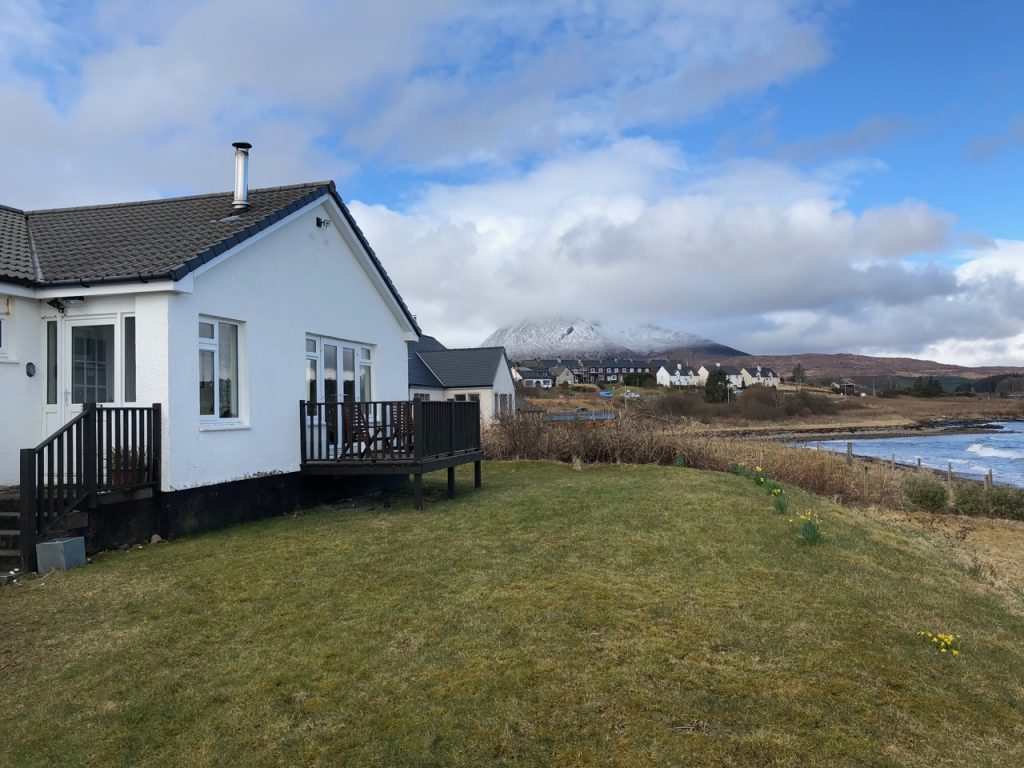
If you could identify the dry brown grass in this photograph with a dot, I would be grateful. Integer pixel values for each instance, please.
(852, 413)
(635, 439)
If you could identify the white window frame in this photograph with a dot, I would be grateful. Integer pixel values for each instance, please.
(5, 330)
(214, 420)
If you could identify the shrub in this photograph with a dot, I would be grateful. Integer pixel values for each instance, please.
(805, 403)
(970, 499)
(676, 405)
(926, 493)
(1007, 502)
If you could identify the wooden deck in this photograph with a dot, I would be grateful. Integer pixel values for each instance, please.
(391, 438)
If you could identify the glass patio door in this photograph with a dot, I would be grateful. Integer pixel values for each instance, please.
(323, 422)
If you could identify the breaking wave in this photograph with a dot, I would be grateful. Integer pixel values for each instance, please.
(994, 453)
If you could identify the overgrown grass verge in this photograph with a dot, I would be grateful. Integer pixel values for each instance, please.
(630, 615)
(638, 439)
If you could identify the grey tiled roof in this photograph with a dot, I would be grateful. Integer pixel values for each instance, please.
(474, 367)
(419, 374)
(15, 250)
(149, 240)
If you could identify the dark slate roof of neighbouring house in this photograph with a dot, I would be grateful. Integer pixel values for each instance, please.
(419, 374)
(149, 240)
(472, 367)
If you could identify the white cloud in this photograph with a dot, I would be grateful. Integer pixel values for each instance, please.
(130, 97)
(757, 255)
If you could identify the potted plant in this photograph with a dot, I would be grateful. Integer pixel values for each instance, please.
(127, 466)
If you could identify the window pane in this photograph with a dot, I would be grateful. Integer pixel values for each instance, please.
(92, 364)
(51, 362)
(205, 330)
(366, 353)
(206, 382)
(330, 373)
(311, 345)
(365, 390)
(474, 398)
(349, 381)
(311, 381)
(129, 359)
(227, 349)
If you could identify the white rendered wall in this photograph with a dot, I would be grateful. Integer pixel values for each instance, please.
(503, 385)
(296, 280)
(21, 397)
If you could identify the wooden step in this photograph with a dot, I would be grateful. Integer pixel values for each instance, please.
(10, 559)
(9, 538)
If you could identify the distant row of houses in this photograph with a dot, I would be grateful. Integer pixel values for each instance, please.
(547, 373)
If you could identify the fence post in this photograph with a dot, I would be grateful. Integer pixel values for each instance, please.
(90, 462)
(156, 450)
(417, 436)
(849, 454)
(28, 527)
(302, 432)
(451, 428)
(949, 472)
(918, 463)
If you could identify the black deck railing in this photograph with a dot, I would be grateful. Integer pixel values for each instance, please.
(101, 450)
(388, 431)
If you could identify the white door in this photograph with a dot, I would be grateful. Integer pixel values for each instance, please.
(86, 362)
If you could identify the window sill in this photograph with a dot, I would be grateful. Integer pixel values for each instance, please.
(229, 427)
(5, 359)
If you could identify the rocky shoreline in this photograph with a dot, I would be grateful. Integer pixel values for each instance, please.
(941, 427)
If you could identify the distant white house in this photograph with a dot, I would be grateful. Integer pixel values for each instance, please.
(538, 379)
(766, 377)
(733, 375)
(477, 374)
(676, 375)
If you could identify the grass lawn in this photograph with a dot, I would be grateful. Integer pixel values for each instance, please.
(629, 616)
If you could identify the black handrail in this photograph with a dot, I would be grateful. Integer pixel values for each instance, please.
(394, 431)
(102, 449)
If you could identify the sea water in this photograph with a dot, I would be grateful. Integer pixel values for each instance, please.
(972, 455)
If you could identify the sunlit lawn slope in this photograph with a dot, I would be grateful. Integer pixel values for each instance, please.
(626, 616)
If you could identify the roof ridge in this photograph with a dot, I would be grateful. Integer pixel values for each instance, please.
(11, 209)
(37, 267)
(432, 371)
(459, 349)
(155, 200)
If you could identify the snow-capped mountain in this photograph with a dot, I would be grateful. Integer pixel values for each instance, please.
(574, 337)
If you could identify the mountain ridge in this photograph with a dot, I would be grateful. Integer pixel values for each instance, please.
(573, 337)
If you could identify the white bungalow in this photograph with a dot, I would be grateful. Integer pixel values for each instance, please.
(177, 338)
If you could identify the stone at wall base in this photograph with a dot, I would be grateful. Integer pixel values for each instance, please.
(60, 554)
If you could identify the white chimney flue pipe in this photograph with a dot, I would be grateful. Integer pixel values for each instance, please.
(241, 201)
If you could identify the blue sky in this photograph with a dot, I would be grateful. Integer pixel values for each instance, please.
(781, 176)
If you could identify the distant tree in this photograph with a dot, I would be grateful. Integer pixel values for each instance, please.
(798, 373)
(638, 379)
(930, 387)
(716, 390)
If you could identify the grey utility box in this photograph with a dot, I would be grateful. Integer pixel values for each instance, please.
(61, 554)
